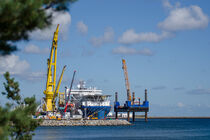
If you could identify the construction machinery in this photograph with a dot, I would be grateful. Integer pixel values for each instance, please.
(130, 106)
(74, 103)
(51, 90)
(68, 99)
(124, 67)
(55, 95)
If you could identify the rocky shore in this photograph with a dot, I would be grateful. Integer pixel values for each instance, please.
(84, 122)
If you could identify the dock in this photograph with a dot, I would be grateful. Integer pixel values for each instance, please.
(131, 107)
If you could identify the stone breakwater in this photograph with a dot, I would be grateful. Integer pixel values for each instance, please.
(84, 122)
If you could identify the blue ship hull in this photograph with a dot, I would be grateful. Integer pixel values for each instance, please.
(100, 112)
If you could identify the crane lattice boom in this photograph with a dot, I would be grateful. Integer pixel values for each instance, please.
(126, 80)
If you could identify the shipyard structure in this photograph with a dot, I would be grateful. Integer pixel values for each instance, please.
(74, 103)
(130, 105)
(82, 102)
(88, 102)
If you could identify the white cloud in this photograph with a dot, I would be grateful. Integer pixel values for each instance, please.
(33, 49)
(107, 37)
(179, 88)
(17, 67)
(199, 91)
(159, 88)
(87, 53)
(33, 76)
(131, 37)
(13, 64)
(169, 6)
(132, 51)
(184, 19)
(62, 18)
(180, 104)
(82, 28)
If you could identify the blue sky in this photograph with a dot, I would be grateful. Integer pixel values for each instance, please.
(165, 43)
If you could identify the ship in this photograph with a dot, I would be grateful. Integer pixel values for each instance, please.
(90, 103)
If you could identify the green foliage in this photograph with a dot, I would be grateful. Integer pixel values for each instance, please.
(17, 19)
(12, 88)
(21, 117)
(4, 122)
(16, 121)
(20, 17)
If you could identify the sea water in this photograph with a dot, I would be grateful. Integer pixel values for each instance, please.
(154, 129)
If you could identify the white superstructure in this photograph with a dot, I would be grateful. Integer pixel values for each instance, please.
(88, 96)
(82, 90)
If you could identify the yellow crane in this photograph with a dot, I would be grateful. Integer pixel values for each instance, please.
(51, 90)
(124, 67)
(57, 88)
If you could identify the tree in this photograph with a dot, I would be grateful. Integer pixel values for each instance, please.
(16, 116)
(16, 119)
(19, 17)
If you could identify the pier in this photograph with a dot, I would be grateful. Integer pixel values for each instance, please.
(84, 123)
(131, 107)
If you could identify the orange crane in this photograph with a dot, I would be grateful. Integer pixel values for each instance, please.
(124, 67)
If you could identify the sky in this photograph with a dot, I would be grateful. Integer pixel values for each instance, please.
(165, 43)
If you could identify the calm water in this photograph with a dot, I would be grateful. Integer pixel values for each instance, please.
(164, 129)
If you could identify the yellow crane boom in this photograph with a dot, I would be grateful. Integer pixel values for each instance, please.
(51, 73)
(57, 88)
(124, 67)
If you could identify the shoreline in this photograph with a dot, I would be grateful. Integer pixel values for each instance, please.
(179, 117)
(111, 121)
(164, 117)
(84, 123)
